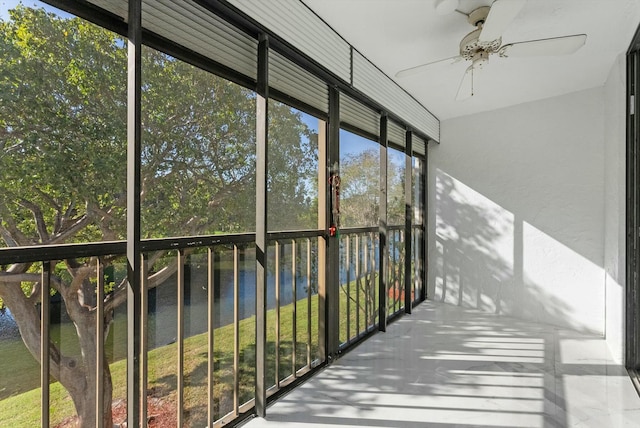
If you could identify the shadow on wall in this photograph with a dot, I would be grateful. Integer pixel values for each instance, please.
(485, 257)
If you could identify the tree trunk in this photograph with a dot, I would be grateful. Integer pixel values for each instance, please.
(77, 374)
(82, 383)
(85, 403)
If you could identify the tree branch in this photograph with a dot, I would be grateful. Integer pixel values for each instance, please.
(49, 199)
(78, 275)
(6, 236)
(27, 318)
(38, 217)
(35, 278)
(119, 295)
(80, 224)
(12, 229)
(10, 277)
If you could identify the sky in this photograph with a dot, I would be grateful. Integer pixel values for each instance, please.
(6, 5)
(349, 143)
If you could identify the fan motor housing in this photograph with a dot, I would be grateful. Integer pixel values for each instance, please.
(478, 16)
(470, 46)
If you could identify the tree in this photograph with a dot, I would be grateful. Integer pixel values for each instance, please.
(63, 168)
(360, 206)
(292, 204)
(360, 190)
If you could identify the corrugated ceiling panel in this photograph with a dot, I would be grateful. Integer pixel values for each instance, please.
(396, 134)
(117, 7)
(195, 28)
(293, 80)
(298, 25)
(371, 81)
(356, 114)
(419, 145)
(192, 26)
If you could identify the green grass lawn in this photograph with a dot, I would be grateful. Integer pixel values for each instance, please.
(21, 407)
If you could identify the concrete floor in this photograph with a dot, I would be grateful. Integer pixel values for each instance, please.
(444, 366)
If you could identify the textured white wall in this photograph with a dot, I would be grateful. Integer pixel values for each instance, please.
(614, 227)
(516, 211)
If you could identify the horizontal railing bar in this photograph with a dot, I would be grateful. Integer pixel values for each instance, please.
(195, 241)
(58, 252)
(352, 230)
(395, 227)
(294, 234)
(30, 254)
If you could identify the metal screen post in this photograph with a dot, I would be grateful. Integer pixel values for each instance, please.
(423, 216)
(408, 217)
(632, 356)
(323, 223)
(382, 229)
(262, 139)
(134, 133)
(332, 290)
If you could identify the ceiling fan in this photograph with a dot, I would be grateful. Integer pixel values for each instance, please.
(486, 40)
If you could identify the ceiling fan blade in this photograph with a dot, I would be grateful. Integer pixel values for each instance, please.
(466, 85)
(545, 47)
(422, 67)
(501, 14)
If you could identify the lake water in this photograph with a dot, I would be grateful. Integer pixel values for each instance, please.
(162, 319)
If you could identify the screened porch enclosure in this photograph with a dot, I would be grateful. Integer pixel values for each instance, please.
(197, 214)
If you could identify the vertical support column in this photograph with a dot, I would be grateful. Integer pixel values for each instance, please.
(632, 214)
(423, 177)
(382, 229)
(631, 253)
(134, 142)
(408, 217)
(323, 224)
(331, 299)
(44, 344)
(262, 103)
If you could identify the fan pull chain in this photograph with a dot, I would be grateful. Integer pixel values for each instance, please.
(472, 70)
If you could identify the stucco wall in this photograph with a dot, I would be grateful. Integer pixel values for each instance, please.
(516, 211)
(614, 226)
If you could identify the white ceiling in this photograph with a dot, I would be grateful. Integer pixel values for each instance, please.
(398, 34)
